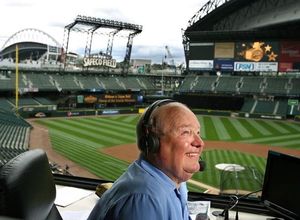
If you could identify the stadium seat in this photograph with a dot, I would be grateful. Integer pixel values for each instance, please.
(27, 189)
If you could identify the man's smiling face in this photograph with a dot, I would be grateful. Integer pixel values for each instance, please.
(180, 143)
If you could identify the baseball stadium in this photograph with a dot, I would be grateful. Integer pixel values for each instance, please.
(241, 79)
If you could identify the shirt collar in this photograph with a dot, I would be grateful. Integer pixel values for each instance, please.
(157, 173)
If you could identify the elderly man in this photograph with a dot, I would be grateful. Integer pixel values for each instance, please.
(154, 186)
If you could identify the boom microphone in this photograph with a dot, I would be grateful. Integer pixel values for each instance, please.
(234, 201)
(202, 164)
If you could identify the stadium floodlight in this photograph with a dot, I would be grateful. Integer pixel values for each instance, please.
(106, 23)
(90, 25)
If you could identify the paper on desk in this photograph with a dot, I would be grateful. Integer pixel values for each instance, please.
(68, 195)
(196, 207)
(75, 215)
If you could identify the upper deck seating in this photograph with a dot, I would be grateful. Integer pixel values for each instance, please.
(276, 85)
(227, 84)
(251, 85)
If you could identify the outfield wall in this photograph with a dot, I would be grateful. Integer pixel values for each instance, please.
(74, 113)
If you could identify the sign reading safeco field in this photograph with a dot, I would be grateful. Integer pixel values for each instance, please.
(99, 61)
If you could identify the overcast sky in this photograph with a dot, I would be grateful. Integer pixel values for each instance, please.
(162, 22)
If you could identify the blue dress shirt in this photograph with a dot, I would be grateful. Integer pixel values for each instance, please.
(143, 192)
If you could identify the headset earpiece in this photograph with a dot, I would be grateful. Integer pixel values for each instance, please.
(152, 142)
(147, 140)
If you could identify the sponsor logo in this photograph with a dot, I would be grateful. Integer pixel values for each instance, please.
(73, 114)
(99, 61)
(245, 66)
(110, 112)
(90, 99)
(40, 115)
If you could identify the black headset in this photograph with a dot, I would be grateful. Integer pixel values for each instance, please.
(147, 140)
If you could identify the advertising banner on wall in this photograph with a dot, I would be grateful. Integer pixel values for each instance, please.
(201, 64)
(256, 66)
(289, 67)
(201, 51)
(224, 64)
(244, 66)
(224, 50)
(285, 67)
(266, 66)
(258, 51)
(289, 51)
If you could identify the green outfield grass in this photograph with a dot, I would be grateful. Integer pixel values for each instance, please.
(80, 140)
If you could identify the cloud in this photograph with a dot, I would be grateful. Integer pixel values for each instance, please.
(109, 13)
(17, 4)
(162, 21)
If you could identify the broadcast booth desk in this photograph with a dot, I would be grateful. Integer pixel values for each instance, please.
(74, 203)
(76, 196)
(280, 196)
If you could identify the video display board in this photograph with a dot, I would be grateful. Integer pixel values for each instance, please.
(224, 50)
(289, 51)
(289, 56)
(247, 56)
(258, 51)
(201, 51)
(117, 98)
